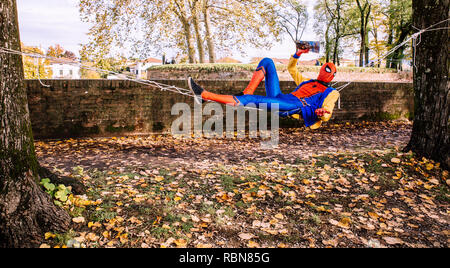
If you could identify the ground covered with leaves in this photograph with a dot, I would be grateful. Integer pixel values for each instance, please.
(346, 185)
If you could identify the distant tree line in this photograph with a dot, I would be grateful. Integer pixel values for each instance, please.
(200, 29)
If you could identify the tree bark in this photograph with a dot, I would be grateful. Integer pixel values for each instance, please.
(336, 51)
(364, 13)
(182, 13)
(367, 50)
(26, 211)
(375, 37)
(208, 34)
(200, 48)
(338, 33)
(362, 48)
(327, 43)
(390, 40)
(431, 135)
(189, 41)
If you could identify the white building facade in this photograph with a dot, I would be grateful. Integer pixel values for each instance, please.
(65, 71)
(139, 68)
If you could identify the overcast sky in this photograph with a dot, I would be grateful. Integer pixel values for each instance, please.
(49, 22)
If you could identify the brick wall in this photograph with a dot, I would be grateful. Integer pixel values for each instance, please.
(73, 108)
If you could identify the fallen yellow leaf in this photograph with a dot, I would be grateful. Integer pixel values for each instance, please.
(252, 244)
(373, 215)
(181, 243)
(345, 222)
(49, 235)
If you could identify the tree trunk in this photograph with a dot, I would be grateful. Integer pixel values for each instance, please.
(336, 51)
(430, 137)
(189, 42)
(362, 49)
(364, 13)
(362, 46)
(26, 212)
(390, 42)
(327, 44)
(208, 35)
(367, 50)
(375, 37)
(200, 48)
(338, 33)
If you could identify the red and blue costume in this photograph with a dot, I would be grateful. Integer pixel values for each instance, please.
(313, 99)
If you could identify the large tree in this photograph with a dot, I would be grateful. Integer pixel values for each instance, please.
(26, 211)
(399, 26)
(364, 9)
(431, 129)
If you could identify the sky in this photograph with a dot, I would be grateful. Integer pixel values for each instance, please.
(44, 23)
(48, 22)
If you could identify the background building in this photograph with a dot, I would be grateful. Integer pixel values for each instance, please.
(65, 69)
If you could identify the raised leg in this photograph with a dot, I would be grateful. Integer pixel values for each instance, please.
(258, 76)
(266, 69)
(272, 81)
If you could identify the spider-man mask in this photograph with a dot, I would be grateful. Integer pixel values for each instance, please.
(327, 72)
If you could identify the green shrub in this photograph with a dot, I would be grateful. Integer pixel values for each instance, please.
(59, 193)
(234, 67)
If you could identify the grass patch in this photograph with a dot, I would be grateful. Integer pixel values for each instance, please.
(314, 219)
(102, 215)
(443, 194)
(229, 212)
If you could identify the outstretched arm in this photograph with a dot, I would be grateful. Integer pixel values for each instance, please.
(329, 104)
(292, 67)
(326, 112)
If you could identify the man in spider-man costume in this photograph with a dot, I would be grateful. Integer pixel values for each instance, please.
(313, 99)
